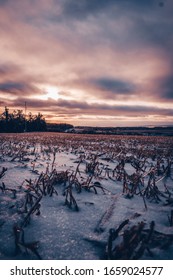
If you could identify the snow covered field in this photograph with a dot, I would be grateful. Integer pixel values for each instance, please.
(69, 196)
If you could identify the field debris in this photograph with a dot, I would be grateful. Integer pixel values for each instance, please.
(100, 179)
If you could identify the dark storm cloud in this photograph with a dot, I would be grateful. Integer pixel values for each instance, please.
(84, 8)
(165, 88)
(17, 88)
(34, 103)
(156, 31)
(3, 2)
(113, 109)
(114, 85)
(73, 107)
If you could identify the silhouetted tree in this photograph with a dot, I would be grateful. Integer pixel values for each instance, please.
(18, 122)
(36, 123)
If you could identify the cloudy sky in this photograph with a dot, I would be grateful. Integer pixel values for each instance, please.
(88, 62)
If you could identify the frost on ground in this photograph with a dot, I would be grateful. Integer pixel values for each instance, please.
(67, 196)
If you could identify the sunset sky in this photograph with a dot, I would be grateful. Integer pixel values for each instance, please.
(88, 62)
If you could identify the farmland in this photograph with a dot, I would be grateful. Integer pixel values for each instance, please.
(69, 196)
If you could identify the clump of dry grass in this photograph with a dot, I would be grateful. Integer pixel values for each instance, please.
(22, 245)
(135, 241)
(2, 172)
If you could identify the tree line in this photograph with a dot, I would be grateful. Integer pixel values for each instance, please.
(17, 121)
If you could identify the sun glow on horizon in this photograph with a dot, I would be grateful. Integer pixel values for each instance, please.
(51, 92)
(48, 92)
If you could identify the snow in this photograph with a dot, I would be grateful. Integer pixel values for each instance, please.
(62, 232)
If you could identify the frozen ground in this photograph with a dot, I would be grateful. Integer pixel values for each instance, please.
(67, 191)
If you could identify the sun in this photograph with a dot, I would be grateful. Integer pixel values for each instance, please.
(52, 92)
